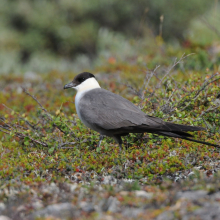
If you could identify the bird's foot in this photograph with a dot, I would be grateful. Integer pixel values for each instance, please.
(100, 140)
(121, 150)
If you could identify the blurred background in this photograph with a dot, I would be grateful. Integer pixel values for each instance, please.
(76, 35)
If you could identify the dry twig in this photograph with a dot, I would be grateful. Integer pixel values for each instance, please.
(20, 135)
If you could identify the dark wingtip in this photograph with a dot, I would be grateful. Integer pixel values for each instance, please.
(180, 127)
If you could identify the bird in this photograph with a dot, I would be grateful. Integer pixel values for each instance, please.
(114, 116)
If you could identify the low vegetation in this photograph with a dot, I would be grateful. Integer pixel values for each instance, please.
(42, 138)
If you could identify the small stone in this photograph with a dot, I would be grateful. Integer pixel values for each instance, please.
(192, 195)
(2, 207)
(60, 210)
(3, 217)
(111, 205)
(19, 90)
(167, 215)
(72, 187)
(107, 217)
(217, 102)
(109, 180)
(210, 211)
(124, 193)
(38, 204)
(86, 206)
(144, 194)
(21, 208)
(54, 189)
(114, 205)
(216, 196)
(132, 212)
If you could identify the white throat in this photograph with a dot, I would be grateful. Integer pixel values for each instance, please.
(88, 84)
(82, 88)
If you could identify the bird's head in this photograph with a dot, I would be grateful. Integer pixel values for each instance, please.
(83, 81)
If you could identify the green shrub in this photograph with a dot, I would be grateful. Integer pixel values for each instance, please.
(67, 28)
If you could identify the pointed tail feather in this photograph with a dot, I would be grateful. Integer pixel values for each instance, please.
(201, 142)
(176, 134)
(186, 136)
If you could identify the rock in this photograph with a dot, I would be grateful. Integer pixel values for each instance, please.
(21, 208)
(114, 205)
(51, 189)
(124, 193)
(111, 204)
(217, 102)
(2, 207)
(86, 206)
(54, 189)
(192, 195)
(19, 90)
(132, 212)
(3, 217)
(60, 210)
(72, 187)
(209, 212)
(144, 194)
(38, 204)
(167, 215)
(216, 196)
(107, 217)
(109, 180)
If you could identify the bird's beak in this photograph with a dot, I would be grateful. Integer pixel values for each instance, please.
(69, 85)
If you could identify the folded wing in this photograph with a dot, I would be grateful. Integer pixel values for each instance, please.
(110, 111)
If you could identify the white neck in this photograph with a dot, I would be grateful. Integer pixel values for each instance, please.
(88, 84)
(81, 89)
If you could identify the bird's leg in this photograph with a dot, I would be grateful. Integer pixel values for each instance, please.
(100, 139)
(120, 147)
(138, 137)
(126, 143)
(118, 139)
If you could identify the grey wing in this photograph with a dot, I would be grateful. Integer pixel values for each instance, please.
(111, 111)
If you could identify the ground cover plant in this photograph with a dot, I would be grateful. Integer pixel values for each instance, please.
(44, 126)
(43, 144)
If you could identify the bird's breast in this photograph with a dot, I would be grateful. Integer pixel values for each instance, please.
(78, 98)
